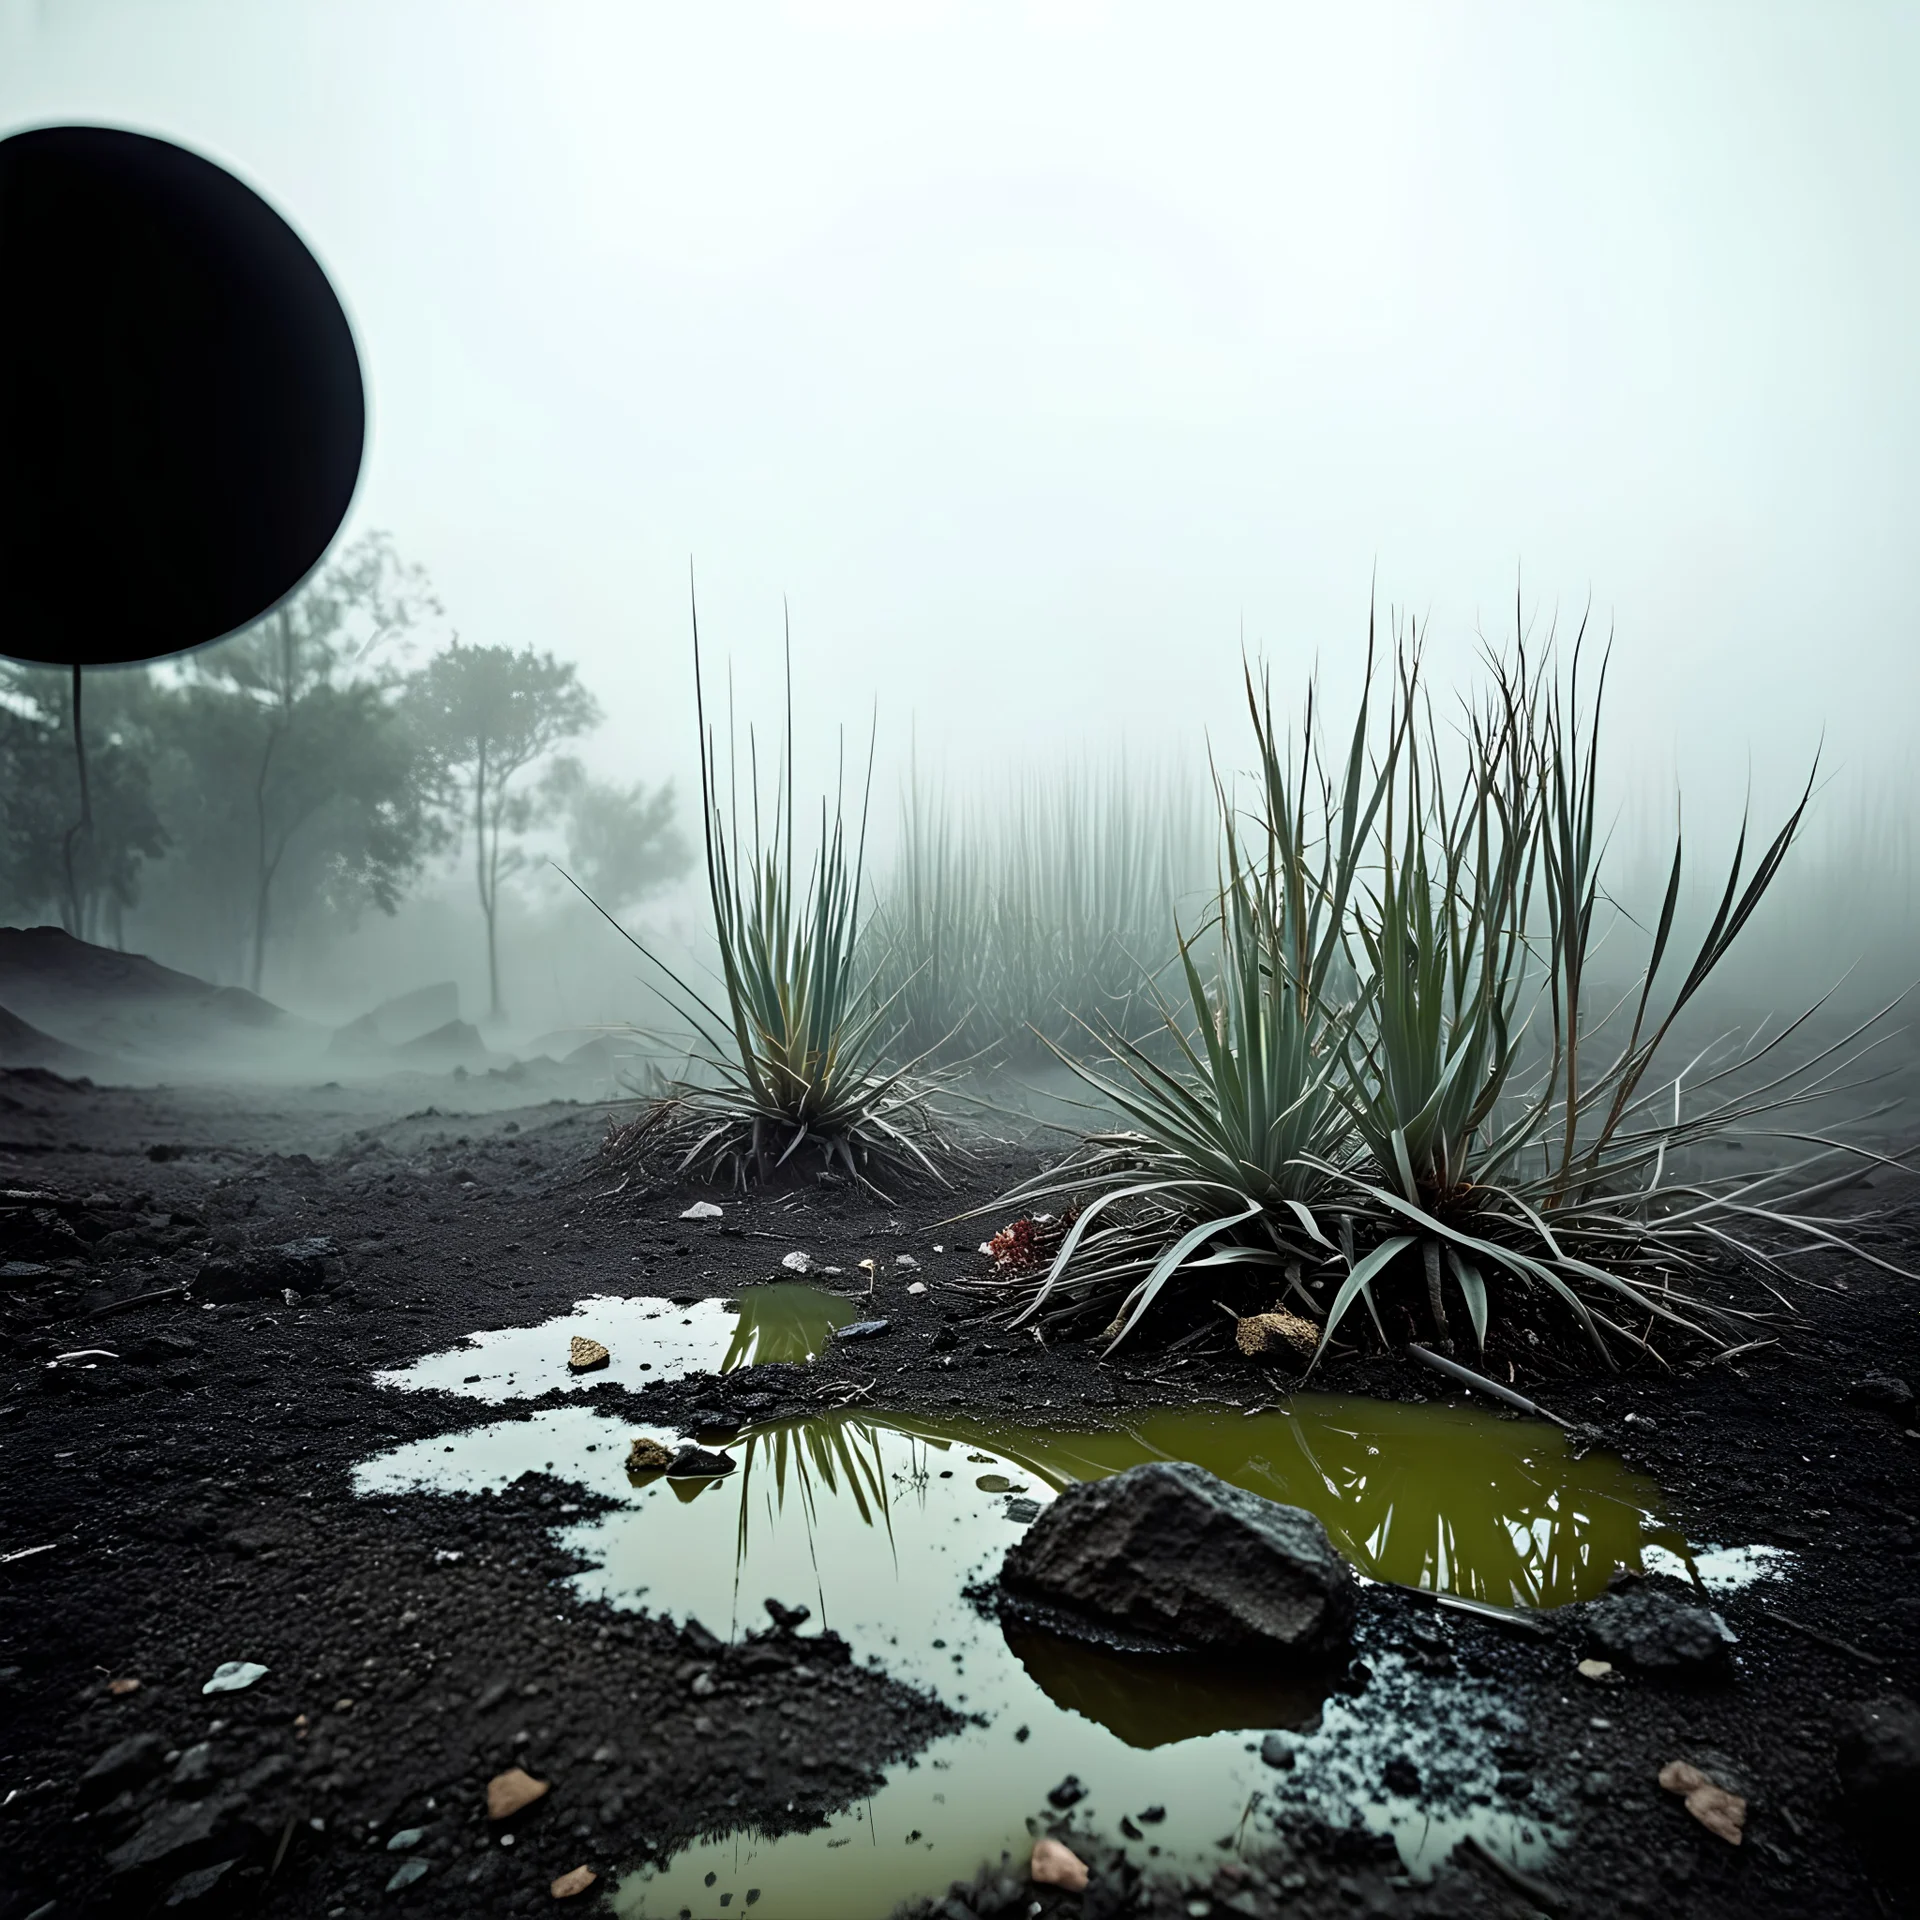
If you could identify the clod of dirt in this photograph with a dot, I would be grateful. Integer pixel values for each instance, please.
(1719, 1811)
(648, 1456)
(508, 1792)
(568, 1884)
(1169, 1553)
(584, 1355)
(1661, 1636)
(1055, 1865)
(1276, 1331)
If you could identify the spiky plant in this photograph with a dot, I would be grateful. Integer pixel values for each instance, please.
(1362, 1103)
(794, 1057)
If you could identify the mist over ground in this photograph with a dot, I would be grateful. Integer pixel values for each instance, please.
(1042, 361)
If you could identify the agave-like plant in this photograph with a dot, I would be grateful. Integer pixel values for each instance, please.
(1365, 1094)
(1238, 1137)
(795, 1057)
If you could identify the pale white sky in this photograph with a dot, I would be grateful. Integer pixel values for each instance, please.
(1032, 349)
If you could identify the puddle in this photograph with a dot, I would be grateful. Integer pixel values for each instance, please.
(649, 1338)
(878, 1523)
(1722, 1569)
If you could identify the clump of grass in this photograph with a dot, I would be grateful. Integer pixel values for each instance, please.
(1005, 930)
(1390, 1081)
(792, 1059)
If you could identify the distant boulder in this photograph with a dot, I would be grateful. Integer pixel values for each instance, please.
(1167, 1555)
(395, 1022)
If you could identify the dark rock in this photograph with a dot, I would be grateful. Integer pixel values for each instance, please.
(1884, 1392)
(863, 1329)
(1069, 1793)
(1402, 1776)
(194, 1772)
(1514, 1784)
(696, 1463)
(1661, 1635)
(200, 1888)
(1023, 1510)
(176, 1837)
(1878, 1756)
(700, 1639)
(787, 1618)
(1168, 1552)
(1277, 1751)
(124, 1764)
(265, 1773)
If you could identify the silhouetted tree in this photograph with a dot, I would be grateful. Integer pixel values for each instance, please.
(485, 714)
(621, 842)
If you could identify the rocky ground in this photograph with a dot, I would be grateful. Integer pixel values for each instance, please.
(249, 1259)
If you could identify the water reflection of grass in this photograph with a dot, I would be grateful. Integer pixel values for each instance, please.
(1437, 1497)
(782, 1321)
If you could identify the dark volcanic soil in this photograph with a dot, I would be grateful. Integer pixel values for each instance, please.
(192, 1496)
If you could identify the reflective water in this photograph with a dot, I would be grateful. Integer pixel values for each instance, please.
(648, 1338)
(879, 1523)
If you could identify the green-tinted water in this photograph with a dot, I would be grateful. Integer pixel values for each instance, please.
(648, 1338)
(879, 1521)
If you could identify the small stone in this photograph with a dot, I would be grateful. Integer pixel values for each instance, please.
(648, 1456)
(199, 1888)
(1054, 1865)
(919, 1286)
(406, 1874)
(697, 1463)
(1878, 1757)
(1884, 1392)
(1276, 1750)
(1402, 1776)
(787, 1618)
(1023, 1511)
(1661, 1635)
(124, 1686)
(702, 1210)
(702, 1685)
(1595, 1669)
(1068, 1793)
(194, 1771)
(863, 1330)
(232, 1675)
(124, 1764)
(508, 1792)
(1719, 1811)
(798, 1262)
(584, 1355)
(406, 1839)
(578, 1881)
(907, 1261)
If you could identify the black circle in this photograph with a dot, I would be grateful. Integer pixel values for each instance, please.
(181, 411)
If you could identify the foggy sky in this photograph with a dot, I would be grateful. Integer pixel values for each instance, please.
(1039, 351)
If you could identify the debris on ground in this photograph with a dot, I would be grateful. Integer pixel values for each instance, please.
(586, 1356)
(697, 1463)
(509, 1792)
(648, 1456)
(230, 1676)
(1056, 1865)
(1719, 1811)
(1026, 1244)
(1276, 1331)
(798, 1262)
(569, 1884)
(702, 1210)
(862, 1329)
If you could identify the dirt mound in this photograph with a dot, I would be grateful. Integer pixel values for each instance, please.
(106, 1002)
(24, 1045)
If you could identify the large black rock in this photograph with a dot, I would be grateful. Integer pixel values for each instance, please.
(1168, 1555)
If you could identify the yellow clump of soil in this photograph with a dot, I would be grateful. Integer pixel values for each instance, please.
(648, 1456)
(1276, 1331)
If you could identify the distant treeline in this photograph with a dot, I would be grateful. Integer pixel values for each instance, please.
(283, 783)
